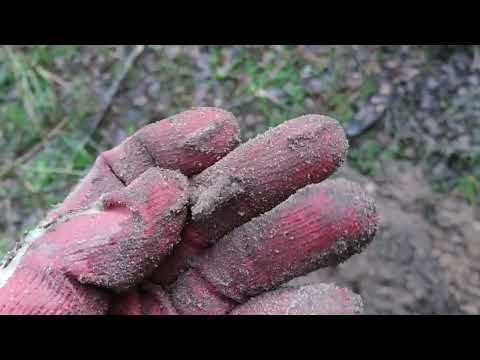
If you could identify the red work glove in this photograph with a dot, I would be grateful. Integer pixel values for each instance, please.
(179, 220)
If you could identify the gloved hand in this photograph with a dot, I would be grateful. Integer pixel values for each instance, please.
(179, 220)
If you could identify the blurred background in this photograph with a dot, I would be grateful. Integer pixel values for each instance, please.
(412, 114)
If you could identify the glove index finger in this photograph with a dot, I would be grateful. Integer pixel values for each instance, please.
(254, 178)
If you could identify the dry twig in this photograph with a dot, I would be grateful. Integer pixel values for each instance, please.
(35, 149)
(95, 123)
(113, 90)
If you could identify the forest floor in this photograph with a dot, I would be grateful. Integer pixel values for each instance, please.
(412, 114)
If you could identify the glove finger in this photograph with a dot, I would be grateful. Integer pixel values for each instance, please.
(316, 299)
(254, 178)
(114, 244)
(319, 226)
(189, 141)
(140, 224)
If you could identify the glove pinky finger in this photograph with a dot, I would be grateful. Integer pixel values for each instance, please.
(316, 299)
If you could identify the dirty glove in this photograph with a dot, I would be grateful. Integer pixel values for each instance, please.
(181, 219)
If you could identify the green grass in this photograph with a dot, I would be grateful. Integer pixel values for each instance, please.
(463, 177)
(341, 107)
(274, 84)
(273, 80)
(28, 114)
(30, 107)
(468, 187)
(367, 157)
(3, 247)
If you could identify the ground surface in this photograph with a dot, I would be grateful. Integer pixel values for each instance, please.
(413, 114)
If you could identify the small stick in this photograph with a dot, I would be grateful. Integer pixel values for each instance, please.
(96, 122)
(35, 149)
(110, 95)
